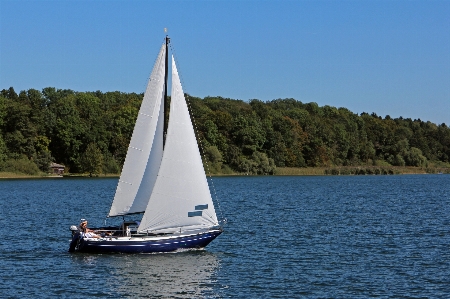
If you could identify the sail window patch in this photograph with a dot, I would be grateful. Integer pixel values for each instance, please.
(135, 148)
(148, 115)
(194, 214)
(201, 207)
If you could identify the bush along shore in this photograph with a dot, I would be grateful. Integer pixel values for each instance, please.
(360, 170)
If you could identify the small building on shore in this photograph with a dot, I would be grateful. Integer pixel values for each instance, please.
(57, 168)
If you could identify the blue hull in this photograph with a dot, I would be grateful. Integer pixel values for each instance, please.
(148, 246)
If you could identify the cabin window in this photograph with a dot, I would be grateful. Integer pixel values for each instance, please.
(194, 214)
(201, 207)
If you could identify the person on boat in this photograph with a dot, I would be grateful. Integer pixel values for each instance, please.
(88, 233)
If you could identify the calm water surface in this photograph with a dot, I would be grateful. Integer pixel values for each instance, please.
(287, 237)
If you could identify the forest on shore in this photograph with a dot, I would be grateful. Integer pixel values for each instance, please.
(89, 132)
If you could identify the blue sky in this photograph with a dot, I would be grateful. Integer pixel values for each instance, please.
(387, 57)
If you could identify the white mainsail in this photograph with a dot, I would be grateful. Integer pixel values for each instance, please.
(145, 150)
(180, 198)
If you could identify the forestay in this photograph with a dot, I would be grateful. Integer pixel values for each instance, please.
(145, 150)
(181, 198)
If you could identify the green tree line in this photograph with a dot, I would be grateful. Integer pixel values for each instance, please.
(89, 132)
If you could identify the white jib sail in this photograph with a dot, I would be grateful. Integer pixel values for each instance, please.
(144, 155)
(181, 197)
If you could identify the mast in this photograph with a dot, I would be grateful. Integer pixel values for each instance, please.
(166, 100)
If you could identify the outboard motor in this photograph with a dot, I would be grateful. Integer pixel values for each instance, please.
(73, 229)
(75, 238)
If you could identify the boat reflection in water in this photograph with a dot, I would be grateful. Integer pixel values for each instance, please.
(190, 274)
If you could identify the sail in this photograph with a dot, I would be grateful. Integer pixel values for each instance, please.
(151, 171)
(143, 158)
(181, 196)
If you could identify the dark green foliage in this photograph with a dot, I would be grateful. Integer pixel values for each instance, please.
(3, 151)
(92, 160)
(110, 165)
(43, 160)
(90, 131)
(21, 165)
(213, 160)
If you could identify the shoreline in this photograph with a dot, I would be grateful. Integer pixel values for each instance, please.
(11, 175)
(280, 171)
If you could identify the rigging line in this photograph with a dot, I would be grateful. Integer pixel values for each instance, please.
(186, 96)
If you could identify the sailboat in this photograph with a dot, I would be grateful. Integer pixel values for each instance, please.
(162, 177)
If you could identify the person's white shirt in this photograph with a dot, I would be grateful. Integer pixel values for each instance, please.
(90, 235)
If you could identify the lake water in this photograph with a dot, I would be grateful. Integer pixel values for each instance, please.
(286, 237)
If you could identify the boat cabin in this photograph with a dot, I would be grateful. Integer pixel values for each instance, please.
(132, 226)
